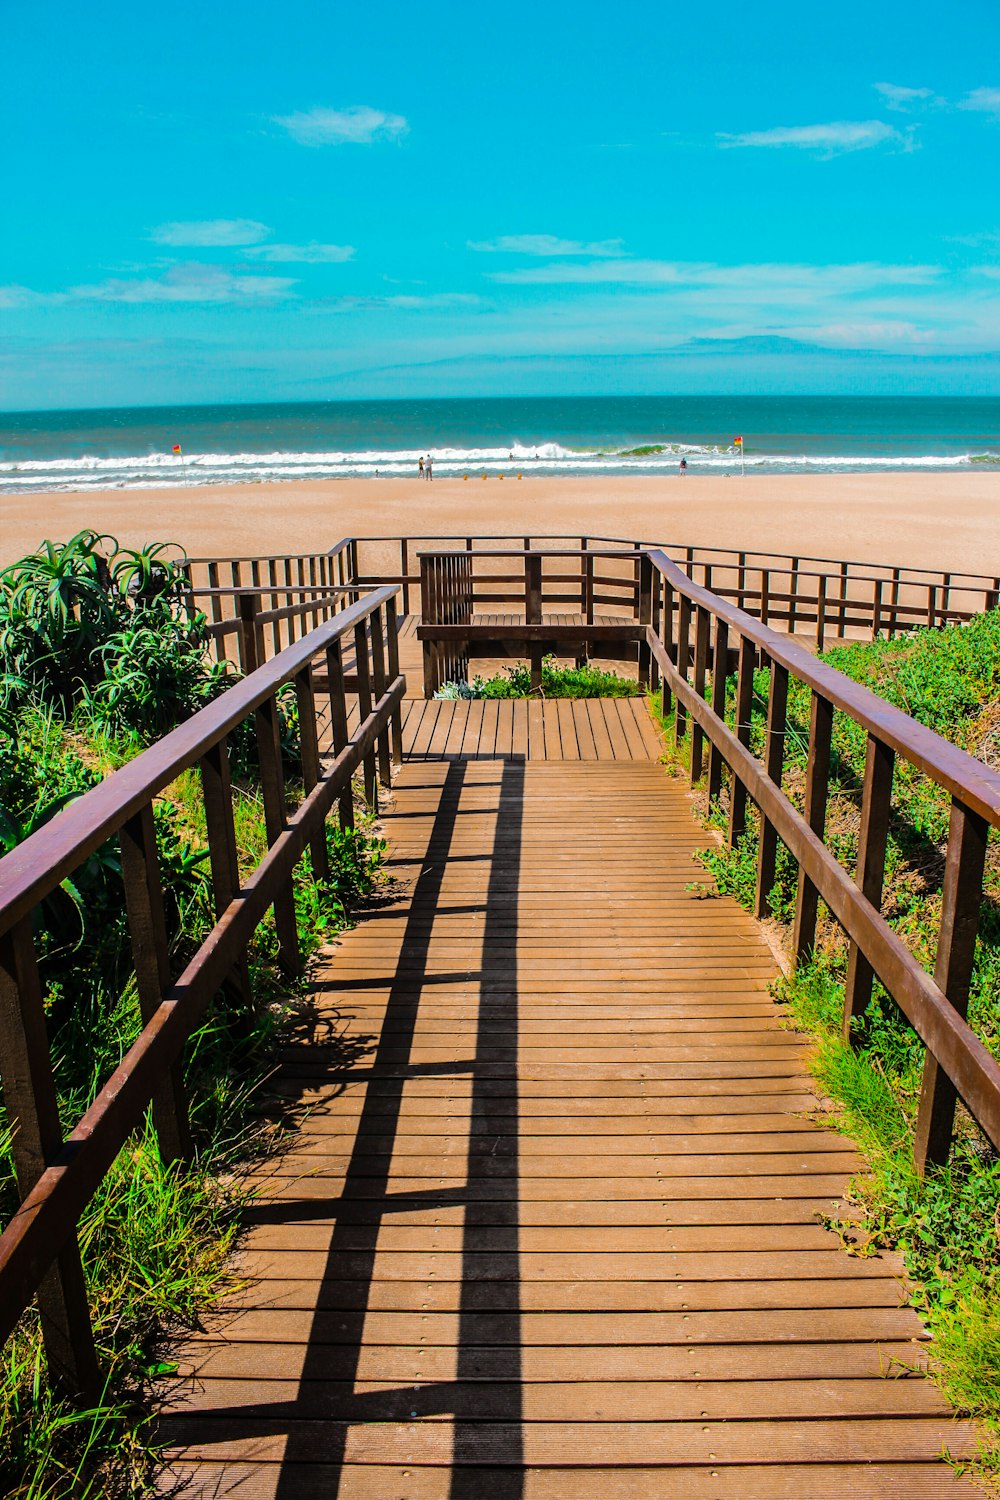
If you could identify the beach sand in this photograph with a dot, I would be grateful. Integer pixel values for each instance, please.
(949, 520)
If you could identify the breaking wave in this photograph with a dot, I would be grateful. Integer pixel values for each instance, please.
(163, 470)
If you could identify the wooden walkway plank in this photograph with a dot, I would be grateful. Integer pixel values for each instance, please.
(552, 1223)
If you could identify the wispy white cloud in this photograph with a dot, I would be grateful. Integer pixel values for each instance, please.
(402, 302)
(204, 233)
(879, 334)
(547, 245)
(771, 276)
(312, 254)
(903, 99)
(832, 139)
(983, 101)
(357, 125)
(993, 272)
(187, 283)
(988, 238)
(15, 296)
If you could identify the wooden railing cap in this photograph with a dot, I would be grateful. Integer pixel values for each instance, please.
(967, 779)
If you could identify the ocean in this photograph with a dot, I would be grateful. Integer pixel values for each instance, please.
(134, 446)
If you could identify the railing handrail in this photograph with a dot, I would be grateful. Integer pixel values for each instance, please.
(928, 574)
(221, 557)
(35, 867)
(630, 554)
(272, 588)
(954, 769)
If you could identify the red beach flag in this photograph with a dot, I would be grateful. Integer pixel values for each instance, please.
(177, 447)
(737, 442)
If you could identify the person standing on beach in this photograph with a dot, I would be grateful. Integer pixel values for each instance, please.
(421, 466)
(683, 466)
(428, 468)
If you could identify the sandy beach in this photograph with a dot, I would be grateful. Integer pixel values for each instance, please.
(935, 520)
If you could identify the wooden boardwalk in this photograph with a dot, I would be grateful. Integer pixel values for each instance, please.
(560, 729)
(551, 1227)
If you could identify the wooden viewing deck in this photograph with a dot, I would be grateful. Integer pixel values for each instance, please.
(552, 1225)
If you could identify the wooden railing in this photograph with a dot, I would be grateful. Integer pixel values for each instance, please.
(824, 598)
(57, 1176)
(459, 591)
(694, 635)
(287, 594)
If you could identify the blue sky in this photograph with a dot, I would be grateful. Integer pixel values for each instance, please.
(252, 201)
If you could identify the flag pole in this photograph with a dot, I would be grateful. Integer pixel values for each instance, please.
(743, 467)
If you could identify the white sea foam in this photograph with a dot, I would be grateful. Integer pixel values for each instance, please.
(164, 470)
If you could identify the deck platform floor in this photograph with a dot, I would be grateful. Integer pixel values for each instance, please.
(552, 1224)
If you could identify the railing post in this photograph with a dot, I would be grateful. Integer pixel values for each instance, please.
(286, 568)
(404, 568)
(741, 581)
(213, 583)
(960, 908)
(820, 611)
(33, 1113)
(875, 807)
(217, 792)
(392, 646)
(533, 611)
(683, 661)
(305, 698)
(876, 608)
(844, 589)
(702, 626)
(793, 589)
(338, 722)
(251, 650)
(774, 759)
(364, 708)
(720, 666)
(378, 689)
(765, 591)
(894, 604)
(817, 789)
(148, 931)
(645, 611)
(272, 785)
(427, 617)
(272, 578)
(667, 637)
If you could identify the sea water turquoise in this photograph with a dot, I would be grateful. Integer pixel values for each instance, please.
(133, 446)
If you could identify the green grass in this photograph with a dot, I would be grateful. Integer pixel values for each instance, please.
(557, 682)
(946, 1227)
(156, 1239)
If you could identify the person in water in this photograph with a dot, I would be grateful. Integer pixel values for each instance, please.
(684, 465)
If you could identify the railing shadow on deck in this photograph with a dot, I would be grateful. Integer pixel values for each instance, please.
(489, 1306)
